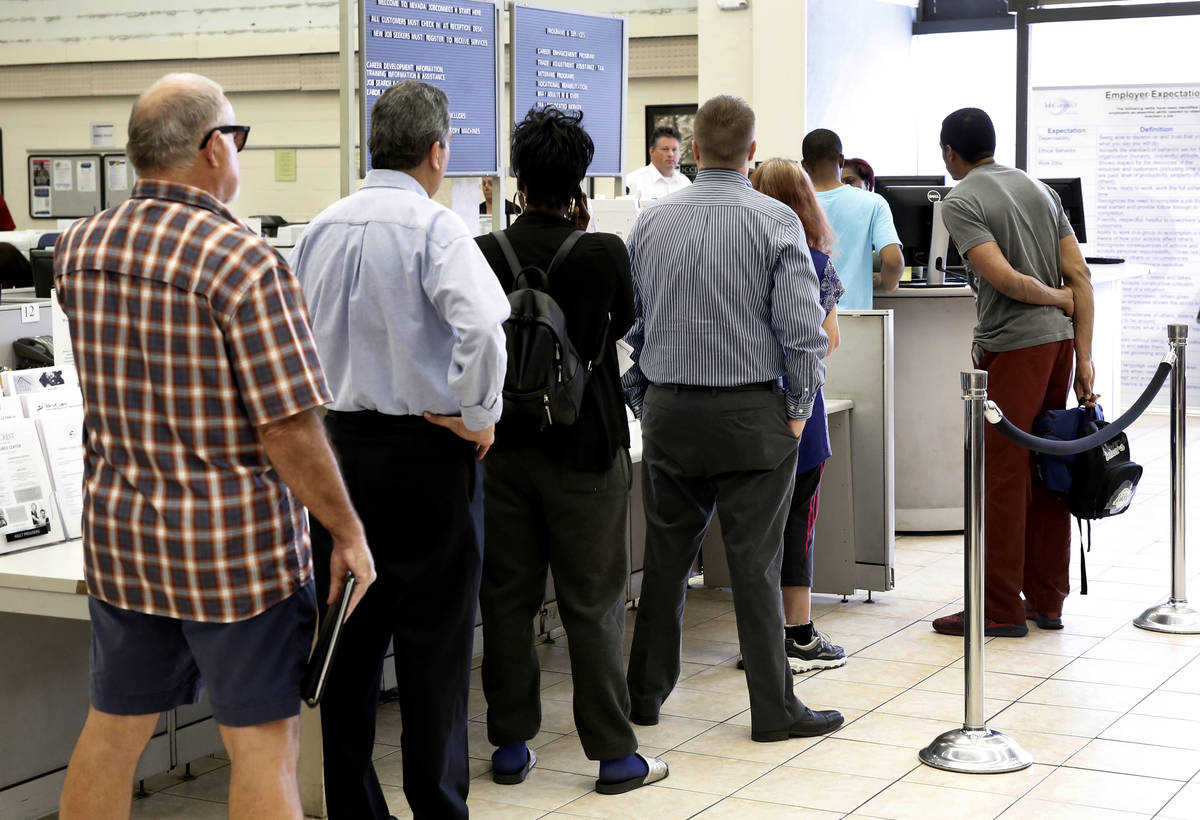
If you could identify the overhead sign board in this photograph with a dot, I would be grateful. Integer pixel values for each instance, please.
(452, 45)
(577, 62)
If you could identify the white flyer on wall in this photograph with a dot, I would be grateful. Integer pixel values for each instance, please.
(61, 173)
(1136, 149)
(85, 175)
(118, 173)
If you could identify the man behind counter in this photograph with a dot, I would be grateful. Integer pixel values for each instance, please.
(662, 175)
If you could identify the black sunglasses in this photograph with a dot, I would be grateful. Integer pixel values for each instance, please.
(240, 132)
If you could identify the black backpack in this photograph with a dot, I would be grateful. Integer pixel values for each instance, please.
(545, 379)
(1097, 483)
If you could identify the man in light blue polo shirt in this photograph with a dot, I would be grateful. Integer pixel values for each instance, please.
(862, 223)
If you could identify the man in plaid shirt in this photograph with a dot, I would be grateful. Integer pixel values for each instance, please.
(200, 382)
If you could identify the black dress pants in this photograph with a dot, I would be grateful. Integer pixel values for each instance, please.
(418, 490)
(542, 515)
(732, 452)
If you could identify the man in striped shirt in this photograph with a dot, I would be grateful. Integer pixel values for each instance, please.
(200, 380)
(726, 304)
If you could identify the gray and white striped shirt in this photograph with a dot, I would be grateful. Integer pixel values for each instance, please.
(724, 294)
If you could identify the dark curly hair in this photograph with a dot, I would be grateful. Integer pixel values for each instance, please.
(550, 154)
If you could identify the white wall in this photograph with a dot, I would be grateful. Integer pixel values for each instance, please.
(860, 80)
(966, 70)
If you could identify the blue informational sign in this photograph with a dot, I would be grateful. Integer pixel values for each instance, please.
(452, 45)
(576, 62)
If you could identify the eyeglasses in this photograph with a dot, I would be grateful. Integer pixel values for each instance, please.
(240, 132)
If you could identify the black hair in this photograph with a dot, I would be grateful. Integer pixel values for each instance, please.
(550, 155)
(665, 131)
(969, 131)
(821, 145)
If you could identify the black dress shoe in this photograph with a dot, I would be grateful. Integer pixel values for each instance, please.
(810, 724)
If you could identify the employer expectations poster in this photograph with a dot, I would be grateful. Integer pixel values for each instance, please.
(451, 45)
(1137, 150)
(575, 62)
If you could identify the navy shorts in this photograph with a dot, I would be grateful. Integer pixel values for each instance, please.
(252, 669)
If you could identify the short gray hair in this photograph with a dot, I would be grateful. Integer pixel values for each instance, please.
(170, 118)
(407, 118)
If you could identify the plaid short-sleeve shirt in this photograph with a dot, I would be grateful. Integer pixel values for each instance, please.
(189, 332)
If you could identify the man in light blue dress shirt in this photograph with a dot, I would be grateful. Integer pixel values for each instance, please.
(407, 316)
(726, 303)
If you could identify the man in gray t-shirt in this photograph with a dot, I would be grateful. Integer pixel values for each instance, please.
(1034, 306)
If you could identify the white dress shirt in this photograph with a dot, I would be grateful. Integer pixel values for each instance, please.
(648, 183)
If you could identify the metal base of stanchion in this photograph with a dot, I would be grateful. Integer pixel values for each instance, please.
(976, 751)
(1175, 617)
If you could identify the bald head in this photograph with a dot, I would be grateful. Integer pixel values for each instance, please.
(170, 119)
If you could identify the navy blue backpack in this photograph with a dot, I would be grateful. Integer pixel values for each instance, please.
(1096, 483)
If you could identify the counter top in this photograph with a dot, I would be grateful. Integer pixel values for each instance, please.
(935, 292)
(1101, 274)
(45, 581)
(56, 568)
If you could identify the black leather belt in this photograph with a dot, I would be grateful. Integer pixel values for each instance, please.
(736, 388)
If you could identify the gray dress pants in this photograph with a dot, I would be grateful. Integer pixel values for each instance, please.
(539, 515)
(732, 451)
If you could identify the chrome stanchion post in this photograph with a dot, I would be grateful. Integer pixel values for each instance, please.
(1175, 615)
(974, 749)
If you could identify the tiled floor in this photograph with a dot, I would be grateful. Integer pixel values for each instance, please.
(1110, 713)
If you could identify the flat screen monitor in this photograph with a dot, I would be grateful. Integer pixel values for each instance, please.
(43, 272)
(15, 271)
(883, 183)
(912, 212)
(1070, 191)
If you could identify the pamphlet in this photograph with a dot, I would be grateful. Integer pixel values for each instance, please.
(27, 510)
(61, 433)
(37, 379)
(34, 405)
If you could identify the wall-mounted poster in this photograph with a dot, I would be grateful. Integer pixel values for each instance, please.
(40, 198)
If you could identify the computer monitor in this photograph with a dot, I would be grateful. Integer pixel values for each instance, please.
(43, 272)
(912, 213)
(15, 271)
(883, 183)
(1070, 191)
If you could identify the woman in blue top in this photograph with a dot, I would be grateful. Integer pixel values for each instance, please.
(807, 648)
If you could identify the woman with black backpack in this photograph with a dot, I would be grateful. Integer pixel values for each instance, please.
(556, 495)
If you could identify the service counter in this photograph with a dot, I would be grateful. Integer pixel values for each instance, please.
(933, 332)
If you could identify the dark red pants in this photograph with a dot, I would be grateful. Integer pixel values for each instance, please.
(1027, 530)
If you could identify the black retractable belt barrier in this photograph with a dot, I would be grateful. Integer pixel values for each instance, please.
(1065, 448)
